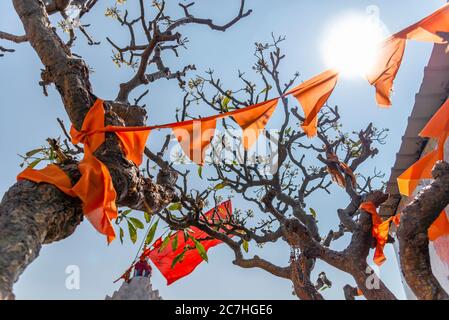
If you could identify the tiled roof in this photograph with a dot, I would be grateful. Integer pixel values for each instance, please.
(433, 92)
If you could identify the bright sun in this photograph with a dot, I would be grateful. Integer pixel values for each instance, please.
(351, 43)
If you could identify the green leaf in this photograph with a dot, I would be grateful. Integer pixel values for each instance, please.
(165, 243)
(175, 206)
(245, 245)
(312, 212)
(200, 172)
(126, 212)
(34, 163)
(224, 103)
(220, 186)
(137, 223)
(199, 247)
(147, 217)
(177, 259)
(186, 235)
(122, 234)
(132, 232)
(266, 89)
(33, 152)
(151, 233)
(174, 243)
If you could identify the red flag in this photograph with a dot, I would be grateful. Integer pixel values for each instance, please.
(163, 260)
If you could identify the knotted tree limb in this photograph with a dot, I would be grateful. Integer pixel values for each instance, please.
(35, 214)
(13, 37)
(416, 219)
(353, 259)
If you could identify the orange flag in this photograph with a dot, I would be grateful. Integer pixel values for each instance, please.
(133, 143)
(50, 174)
(194, 136)
(386, 68)
(380, 230)
(437, 128)
(422, 169)
(312, 95)
(440, 227)
(253, 120)
(392, 51)
(430, 28)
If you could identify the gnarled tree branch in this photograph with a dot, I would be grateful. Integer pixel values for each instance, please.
(416, 219)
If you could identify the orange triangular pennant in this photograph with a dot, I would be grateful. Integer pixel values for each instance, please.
(133, 144)
(438, 124)
(312, 95)
(194, 137)
(440, 227)
(386, 68)
(430, 28)
(422, 169)
(253, 120)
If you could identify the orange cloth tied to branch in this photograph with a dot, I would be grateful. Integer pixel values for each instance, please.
(312, 95)
(380, 230)
(336, 168)
(94, 188)
(163, 259)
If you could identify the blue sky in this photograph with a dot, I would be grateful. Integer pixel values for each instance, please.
(30, 117)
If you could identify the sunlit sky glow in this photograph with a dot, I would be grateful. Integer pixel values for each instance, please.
(351, 41)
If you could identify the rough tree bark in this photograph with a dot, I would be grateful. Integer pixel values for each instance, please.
(351, 260)
(31, 214)
(416, 219)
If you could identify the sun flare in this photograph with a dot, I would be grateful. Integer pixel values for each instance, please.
(351, 43)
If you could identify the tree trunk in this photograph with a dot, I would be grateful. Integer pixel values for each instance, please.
(416, 219)
(35, 214)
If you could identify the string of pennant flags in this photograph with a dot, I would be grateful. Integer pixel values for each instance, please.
(95, 187)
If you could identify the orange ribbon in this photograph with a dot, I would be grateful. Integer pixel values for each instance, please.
(380, 230)
(94, 188)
